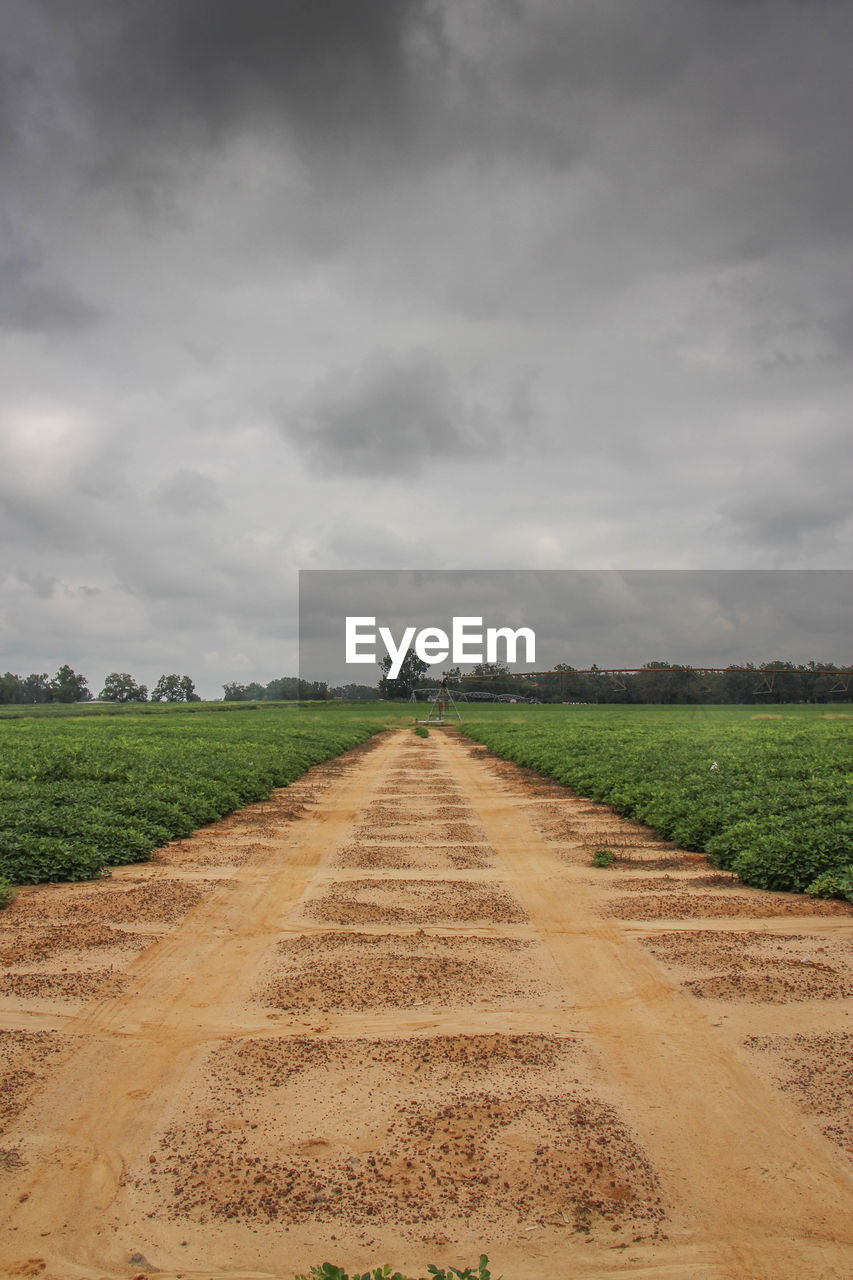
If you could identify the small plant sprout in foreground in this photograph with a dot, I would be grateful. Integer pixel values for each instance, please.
(421, 730)
(603, 857)
(328, 1271)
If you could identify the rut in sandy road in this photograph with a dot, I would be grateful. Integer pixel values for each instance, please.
(723, 1139)
(411, 1023)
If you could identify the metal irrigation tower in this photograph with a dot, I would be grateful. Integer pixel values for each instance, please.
(441, 703)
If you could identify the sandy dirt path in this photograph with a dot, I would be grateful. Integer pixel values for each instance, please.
(395, 1014)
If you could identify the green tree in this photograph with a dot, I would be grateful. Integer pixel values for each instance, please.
(167, 689)
(174, 688)
(256, 692)
(235, 692)
(821, 685)
(493, 671)
(34, 688)
(779, 686)
(313, 690)
(739, 686)
(665, 682)
(67, 686)
(187, 688)
(119, 686)
(562, 685)
(412, 671)
(355, 692)
(284, 689)
(9, 685)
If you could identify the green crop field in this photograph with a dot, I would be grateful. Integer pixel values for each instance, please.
(81, 789)
(766, 793)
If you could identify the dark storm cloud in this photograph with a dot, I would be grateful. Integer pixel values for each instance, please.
(759, 85)
(391, 417)
(601, 252)
(160, 73)
(717, 129)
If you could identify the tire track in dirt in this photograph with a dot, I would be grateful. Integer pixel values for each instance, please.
(721, 1138)
(99, 1111)
(407, 1028)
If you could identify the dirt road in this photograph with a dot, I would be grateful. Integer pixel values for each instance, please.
(395, 1014)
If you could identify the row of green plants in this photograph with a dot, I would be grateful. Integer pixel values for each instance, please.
(766, 797)
(329, 1271)
(78, 794)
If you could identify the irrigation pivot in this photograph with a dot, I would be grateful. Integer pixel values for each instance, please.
(766, 676)
(441, 703)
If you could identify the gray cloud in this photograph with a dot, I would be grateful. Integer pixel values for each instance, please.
(188, 492)
(790, 521)
(41, 585)
(522, 284)
(391, 417)
(29, 301)
(148, 78)
(27, 520)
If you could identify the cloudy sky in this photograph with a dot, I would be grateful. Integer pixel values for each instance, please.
(402, 283)
(610, 617)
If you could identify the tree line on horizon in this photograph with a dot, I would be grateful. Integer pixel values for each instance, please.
(292, 689)
(68, 686)
(778, 680)
(654, 682)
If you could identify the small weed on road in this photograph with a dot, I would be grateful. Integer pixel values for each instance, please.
(328, 1271)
